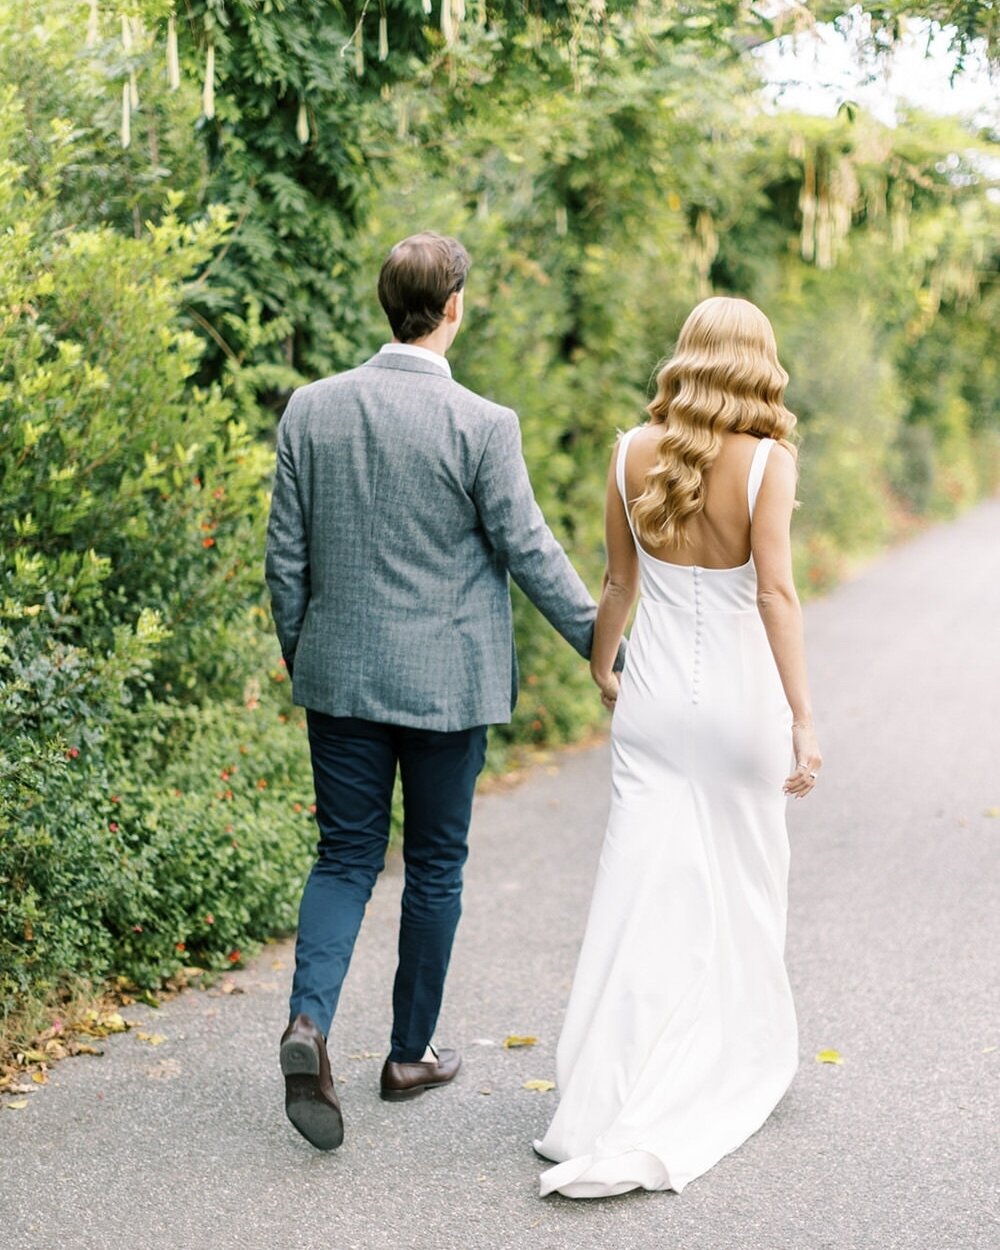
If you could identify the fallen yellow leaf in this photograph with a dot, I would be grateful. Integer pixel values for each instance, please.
(40, 1078)
(511, 1042)
(154, 1039)
(992, 811)
(165, 1070)
(35, 1056)
(83, 1049)
(540, 1087)
(987, 1050)
(113, 1023)
(829, 1056)
(17, 1106)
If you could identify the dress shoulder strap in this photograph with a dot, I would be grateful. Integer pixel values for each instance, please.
(757, 466)
(623, 443)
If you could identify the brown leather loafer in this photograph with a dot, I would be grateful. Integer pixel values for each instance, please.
(407, 1080)
(310, 1100)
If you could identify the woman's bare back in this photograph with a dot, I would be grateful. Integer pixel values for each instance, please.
(720, 533)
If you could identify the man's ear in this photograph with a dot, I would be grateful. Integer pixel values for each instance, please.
(453, 306)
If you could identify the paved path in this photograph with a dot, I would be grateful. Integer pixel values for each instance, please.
(893, 949)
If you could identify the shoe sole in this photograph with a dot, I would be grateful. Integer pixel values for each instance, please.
(320, 1123)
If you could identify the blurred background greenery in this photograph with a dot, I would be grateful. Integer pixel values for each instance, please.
(193, 209)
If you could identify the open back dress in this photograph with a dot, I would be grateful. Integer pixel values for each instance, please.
(680, 1034)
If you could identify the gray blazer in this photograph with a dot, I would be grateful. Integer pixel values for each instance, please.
(401, 502)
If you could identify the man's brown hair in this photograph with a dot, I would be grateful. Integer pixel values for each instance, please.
(418, 276)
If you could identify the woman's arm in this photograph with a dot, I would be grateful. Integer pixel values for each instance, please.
(621, 585)
(778, 604)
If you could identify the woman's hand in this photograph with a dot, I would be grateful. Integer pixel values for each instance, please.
(608, 686)
(808, 761)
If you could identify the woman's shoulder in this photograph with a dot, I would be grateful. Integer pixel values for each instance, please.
(781, 458)
(646, 435)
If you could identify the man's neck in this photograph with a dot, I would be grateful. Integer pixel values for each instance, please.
(436, 342)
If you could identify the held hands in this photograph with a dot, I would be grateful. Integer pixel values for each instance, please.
(808, 761)
(607, 683)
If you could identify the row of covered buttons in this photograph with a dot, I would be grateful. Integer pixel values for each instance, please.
(696, 667)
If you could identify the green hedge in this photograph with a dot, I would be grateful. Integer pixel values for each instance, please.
(137, 665)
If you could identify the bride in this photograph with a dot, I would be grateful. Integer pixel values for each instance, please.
(680, 1034)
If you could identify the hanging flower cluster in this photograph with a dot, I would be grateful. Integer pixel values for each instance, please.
(133, 35)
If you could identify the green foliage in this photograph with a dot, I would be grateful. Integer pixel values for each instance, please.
(125, 490)
(179, 836)
(131, 504)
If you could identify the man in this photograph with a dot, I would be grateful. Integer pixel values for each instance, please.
(401, 503)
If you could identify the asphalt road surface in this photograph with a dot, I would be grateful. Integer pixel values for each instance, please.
(893, 949)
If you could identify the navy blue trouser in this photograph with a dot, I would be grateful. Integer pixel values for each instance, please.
(354, 768)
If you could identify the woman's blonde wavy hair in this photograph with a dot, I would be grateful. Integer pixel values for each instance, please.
(724, 376)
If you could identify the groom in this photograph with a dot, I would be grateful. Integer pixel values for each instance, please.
(401, 503)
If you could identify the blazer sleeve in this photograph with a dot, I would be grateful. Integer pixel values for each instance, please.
(517, 531)
(286, 563)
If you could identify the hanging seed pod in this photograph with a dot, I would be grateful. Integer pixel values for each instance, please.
(208, 91)
(93, 25)
(447, 28)
(126, 115)
(383, 38)
(458, 10)
(428, 6)
(126, 35)
(133, 90)
(302, 123)
(359, 54)
(173, 60)
(807, 207)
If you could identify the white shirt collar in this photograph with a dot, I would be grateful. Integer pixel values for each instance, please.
(422, 353)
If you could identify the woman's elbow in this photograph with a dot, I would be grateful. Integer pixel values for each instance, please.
(777, 598)
(621, 586)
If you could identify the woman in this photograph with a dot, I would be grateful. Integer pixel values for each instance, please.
(680, 1034)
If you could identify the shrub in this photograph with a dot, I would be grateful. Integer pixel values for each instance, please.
(131, 510)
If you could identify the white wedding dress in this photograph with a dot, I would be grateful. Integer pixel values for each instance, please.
(680, 1034)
